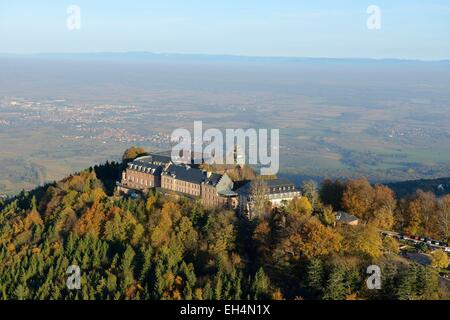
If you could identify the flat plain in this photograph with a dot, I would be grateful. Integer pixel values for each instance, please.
(387, 120)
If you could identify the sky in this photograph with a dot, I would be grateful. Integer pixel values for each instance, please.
(410, 29)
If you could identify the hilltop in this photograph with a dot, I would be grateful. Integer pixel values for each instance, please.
(160, 247)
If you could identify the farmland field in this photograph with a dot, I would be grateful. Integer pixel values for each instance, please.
(387, 120)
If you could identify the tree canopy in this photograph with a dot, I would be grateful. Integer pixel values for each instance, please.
(158, 247)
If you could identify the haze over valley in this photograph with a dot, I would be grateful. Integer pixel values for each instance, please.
(384, 119)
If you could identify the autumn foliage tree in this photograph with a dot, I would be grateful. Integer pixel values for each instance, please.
(374, 204)
(420, 215)
(444, 218)
(358, 197)
(307, 238)
(440, 259)
(300, 206)
(132, 153)
(258, 195)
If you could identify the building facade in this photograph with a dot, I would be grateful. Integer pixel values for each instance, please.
(145, 173)
(183, 179)
(142, 174)
(214, 190)
(217, 192)
(277, 192)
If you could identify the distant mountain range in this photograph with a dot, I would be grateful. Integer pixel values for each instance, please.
(217, 57)
(440, 186)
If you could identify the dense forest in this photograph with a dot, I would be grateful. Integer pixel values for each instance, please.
(439, 186)
(160, 247)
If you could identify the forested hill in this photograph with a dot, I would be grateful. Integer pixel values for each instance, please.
(162, 248)
(439, 186)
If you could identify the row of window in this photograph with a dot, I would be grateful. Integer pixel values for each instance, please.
(210, 196)
(188, 184)
(140, 181)
(181, 186)
(283, 189)
(187, 191)
(284, 195)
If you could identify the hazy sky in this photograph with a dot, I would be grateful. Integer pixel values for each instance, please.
(320, 28)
